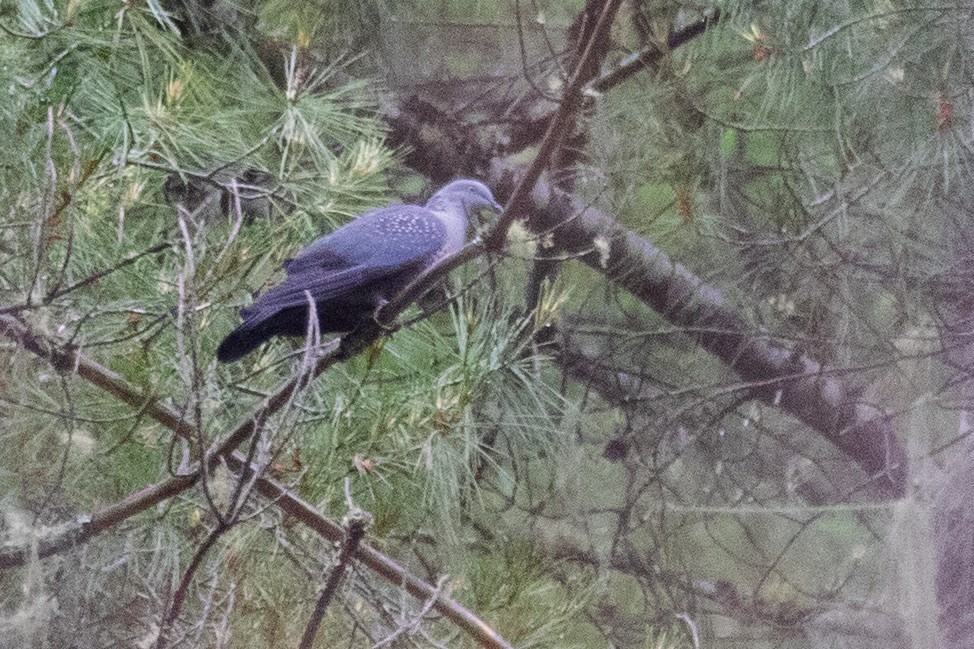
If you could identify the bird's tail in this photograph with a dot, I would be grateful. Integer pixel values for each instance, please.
(241, 341)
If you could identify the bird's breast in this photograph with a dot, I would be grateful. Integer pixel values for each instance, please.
(455, 230)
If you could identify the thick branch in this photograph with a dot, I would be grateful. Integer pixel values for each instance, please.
(798, 383)
(87, 527)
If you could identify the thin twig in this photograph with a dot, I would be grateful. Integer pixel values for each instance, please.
(414, 624)
(356, 522)
(179, 597)
(97, 275)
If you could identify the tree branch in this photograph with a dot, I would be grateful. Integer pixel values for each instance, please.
(71, 361)
(571, 102)
(357, 522)
(651, 54)
(798, 383)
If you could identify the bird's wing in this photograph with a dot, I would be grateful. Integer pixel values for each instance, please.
(399, 231)
(382, 243)
(321, 285)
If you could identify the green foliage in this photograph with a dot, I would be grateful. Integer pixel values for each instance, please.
(420, 419)
(810, 160)
(534, 609)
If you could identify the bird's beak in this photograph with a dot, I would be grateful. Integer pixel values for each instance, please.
(497, 207)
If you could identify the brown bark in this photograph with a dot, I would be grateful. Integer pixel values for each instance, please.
(797, 383)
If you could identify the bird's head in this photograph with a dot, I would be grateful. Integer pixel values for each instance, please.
(471, 194)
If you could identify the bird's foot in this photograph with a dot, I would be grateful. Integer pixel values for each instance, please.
(377, 315)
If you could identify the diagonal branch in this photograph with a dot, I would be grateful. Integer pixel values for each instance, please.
(357, 520)
(797, 383)
(650, 56)
(519, 199)
(571, 103)
(85, 528)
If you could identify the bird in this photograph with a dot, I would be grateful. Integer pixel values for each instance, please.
(358, 267)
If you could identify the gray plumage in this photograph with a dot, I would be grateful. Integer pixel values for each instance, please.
(353, 270)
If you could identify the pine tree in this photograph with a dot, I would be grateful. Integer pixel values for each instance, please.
(710, 385)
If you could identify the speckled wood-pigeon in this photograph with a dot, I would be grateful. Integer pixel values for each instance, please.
(353, 270)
